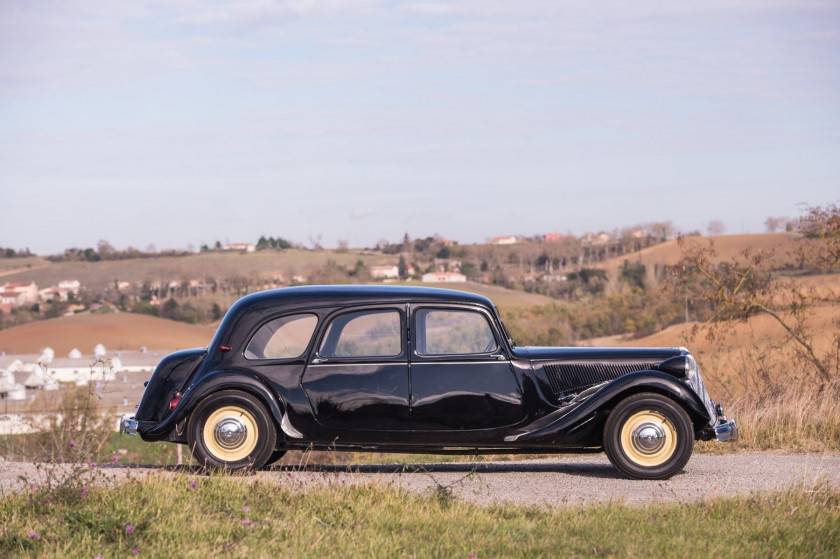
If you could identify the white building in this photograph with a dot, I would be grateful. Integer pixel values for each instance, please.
(444, 277)
(245, 247)
(385, 272)
(507, 240)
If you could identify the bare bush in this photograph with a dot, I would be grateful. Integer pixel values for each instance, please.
(746, 286)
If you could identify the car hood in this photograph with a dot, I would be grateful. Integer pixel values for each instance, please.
(597, 354)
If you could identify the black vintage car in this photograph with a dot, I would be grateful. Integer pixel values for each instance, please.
(404, 369)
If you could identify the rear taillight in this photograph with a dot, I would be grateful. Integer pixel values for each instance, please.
(174, 403)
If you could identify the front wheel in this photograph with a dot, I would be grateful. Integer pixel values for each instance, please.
(648, 436)
(231, 430)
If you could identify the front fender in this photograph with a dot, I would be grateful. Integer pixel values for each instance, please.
(218, 380)
(553, 427)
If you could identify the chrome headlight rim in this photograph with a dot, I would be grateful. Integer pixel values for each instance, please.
(691, 368)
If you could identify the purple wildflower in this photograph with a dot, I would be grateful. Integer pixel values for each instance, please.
(135, 550)
(47, 502)
(98, 556)
(72, 443)
(246, 522)
(61, 521)
(193, 484)
(129, 529)
(33, 535)
(115, 459)
(245, 509)
(84, 492)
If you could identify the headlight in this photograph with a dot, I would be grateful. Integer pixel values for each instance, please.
(691, 368)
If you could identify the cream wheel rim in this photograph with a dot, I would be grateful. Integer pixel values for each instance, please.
(230, 434)
(648, 438)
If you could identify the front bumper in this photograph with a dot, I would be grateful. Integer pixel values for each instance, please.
(128, 425)
(726, 429)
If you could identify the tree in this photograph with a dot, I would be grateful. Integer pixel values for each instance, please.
(740, 288)
(716, 227)
(402, 267)
(773, 224)
(408, 246)
(104, 248)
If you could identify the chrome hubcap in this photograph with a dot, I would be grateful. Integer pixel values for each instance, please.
(648, 438)
(229, 433)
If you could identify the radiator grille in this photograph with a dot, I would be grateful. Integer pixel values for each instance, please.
(573, 377)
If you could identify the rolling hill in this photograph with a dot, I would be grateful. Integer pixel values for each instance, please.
(116, 331)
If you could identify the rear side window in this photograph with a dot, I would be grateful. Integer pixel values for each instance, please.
(451, 332)
(364, 334)
(282, 338)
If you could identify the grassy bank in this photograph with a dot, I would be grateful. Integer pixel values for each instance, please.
(194, 516)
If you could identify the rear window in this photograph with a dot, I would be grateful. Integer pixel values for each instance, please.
(282, 338)
(364, 334)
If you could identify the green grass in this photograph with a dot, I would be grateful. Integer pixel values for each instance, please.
(169, 518)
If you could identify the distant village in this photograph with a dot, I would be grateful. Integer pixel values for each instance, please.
(15, 295)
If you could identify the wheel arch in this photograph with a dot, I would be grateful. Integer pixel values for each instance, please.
(593, 411)
(219, 381)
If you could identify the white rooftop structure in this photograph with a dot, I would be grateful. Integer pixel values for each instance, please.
(7, 381)
(47, 355)
(36, 379)
(99, 350)
(75, 353)
(18, 392)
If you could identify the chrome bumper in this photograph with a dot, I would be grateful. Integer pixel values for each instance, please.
(726, 429)
(128, 425)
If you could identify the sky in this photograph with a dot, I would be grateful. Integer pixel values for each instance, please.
(183, 122)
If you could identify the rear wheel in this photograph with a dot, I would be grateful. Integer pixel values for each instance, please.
(648, 436)
(231, 430)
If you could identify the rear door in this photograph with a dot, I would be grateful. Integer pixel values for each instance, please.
(357, 379)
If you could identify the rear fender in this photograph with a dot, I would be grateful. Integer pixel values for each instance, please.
(556, 426)
(218, 380)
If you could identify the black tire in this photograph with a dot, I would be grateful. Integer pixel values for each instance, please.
(231, 430)
(648, 436)
(275, 456)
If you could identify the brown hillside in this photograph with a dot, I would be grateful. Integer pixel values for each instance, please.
(728, 247)
(114, 331)
(730, 362)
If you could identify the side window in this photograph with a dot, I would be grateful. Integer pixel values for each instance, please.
(285, 337)
(364, 334)
(453, 332)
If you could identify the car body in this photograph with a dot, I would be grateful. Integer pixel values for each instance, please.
(411, 369)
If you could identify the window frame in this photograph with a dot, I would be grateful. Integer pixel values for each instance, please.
(332, 317)
(497, 353)
(302, 356)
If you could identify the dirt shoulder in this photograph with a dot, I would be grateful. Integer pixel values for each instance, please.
(558, 481)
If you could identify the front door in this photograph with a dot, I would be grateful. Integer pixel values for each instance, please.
(461, 379)
(357, 380)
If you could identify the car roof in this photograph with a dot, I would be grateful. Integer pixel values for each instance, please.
(359, 294)
(250, 310)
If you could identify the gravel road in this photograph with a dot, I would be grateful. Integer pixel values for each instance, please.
(570, 480)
